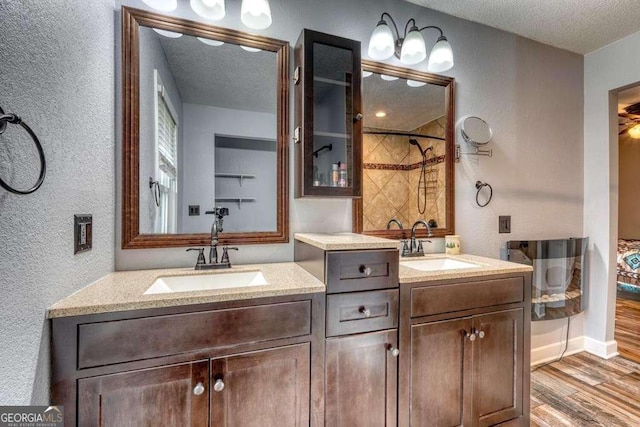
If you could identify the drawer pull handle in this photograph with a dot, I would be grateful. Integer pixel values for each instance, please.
(365, 270)
(219, 385)
(198, 389)
(365, 311)
(394, 351)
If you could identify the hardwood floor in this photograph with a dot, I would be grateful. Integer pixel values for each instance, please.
(628, 328)
(584, 390)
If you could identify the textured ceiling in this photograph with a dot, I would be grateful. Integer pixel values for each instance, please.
(580, 26)
(222, 76)
(407, 107)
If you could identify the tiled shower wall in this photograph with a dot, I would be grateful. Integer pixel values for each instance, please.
(391, 176)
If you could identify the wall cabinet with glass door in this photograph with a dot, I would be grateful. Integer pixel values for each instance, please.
(328, 118)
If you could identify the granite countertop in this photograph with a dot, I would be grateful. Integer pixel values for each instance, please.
(486, 267)
(121, 291)
(346, 241)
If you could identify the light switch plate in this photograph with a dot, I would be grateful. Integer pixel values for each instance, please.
(504, 224)
(82, 233)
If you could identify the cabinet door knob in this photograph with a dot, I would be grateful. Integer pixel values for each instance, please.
(359, 116)
(218, 385)
(365, 311)
(471, 336)
(480, 334)
(198, 389)
(365, 270)
(394, 351)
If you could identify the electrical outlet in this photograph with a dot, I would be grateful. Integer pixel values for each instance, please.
(82, 233)
(504, 224)
(194, 210)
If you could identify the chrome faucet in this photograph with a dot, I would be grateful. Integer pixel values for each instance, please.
(216, 228)
(415, 246)
(396, 221)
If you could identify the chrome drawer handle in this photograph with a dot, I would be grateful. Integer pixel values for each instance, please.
(198, 389)
(365, 311)
(365, 270)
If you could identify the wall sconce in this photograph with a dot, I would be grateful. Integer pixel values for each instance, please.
(410, 48)
(255, 14)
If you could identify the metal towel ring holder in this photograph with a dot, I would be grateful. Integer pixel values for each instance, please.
(5, 119)
(479, 186)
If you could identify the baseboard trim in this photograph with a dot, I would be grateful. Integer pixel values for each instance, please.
(603, 349)
(551, 352)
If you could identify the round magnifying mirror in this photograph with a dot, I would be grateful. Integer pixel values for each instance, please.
(476, 131)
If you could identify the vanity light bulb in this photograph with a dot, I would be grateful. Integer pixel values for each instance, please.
(388, 78)
(210, 42)
(381, 43)
(162, 5)
(415, 83)
(441, 58)
(256, 14)
(250, 49)
(634, 132)
(209, 9)
(166, 33)
(413, 48)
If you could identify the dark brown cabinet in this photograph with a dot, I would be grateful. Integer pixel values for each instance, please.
(264, 388)
(170, 396)
(328, 117)
(465, 352)
(361, 380)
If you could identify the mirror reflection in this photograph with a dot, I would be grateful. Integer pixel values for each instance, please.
(208, 131)
(404, 147)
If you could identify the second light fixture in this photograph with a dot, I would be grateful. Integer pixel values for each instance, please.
(410, 48)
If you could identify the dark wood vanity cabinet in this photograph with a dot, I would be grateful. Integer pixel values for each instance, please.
(468, 366)
(328, 116)
(225, 364)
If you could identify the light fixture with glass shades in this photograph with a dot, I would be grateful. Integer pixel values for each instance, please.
(167, 33)
(210, 42)
(255, 14)
(410, 48)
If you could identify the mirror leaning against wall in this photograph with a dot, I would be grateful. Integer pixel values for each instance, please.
(204, 127)
(408, 152)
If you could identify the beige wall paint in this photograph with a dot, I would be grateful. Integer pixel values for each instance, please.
(629, 188)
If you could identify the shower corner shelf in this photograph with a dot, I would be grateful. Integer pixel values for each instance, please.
(238, 200)
(240, 176)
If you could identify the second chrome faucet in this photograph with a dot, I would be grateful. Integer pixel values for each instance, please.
(216, 227)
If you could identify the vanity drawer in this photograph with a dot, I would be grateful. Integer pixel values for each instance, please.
(463, 296)
(106, 343)
(361, 312)
(349, 271)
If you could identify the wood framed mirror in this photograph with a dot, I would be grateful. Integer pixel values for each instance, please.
(408, 152)
(204, 125)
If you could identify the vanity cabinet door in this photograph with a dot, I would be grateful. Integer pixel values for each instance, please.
(174, 395)
(361, 380)
(440, 374)
(498, 366)
(262, 388)
(328, 116)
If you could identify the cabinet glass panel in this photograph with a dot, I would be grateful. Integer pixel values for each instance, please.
(333, 116)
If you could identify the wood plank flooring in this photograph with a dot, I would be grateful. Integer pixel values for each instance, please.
(628, 328)
(584, 390)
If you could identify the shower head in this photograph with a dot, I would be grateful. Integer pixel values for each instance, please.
(415, 142)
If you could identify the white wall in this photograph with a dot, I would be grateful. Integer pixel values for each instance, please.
(57, 72)
(201, 124)
(605, 72)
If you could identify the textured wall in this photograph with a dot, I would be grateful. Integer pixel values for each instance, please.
(629, 178)
(57, 72)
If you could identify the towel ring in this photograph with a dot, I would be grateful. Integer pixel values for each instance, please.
(479, 186)
(5, 119)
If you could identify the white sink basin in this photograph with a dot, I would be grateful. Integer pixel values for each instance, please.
(205, 282)
(438, 264)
